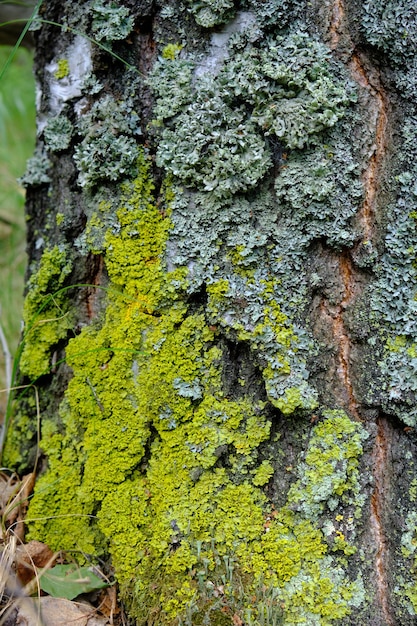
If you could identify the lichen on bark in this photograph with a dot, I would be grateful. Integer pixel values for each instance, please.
(245, 350)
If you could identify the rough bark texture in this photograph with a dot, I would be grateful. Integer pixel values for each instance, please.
(220, 316)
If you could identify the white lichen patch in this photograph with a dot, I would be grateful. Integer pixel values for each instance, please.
(65, 88)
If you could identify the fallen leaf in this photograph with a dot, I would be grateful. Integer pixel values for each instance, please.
(108, 603)
(50, 611)
(30, 555)
(69, 581)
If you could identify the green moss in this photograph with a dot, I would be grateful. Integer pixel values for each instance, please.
(47, 318)
(154, 463)
(63, 69)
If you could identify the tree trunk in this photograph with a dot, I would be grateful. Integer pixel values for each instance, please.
(220, 315)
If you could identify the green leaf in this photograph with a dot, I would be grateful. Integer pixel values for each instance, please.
(69, 581)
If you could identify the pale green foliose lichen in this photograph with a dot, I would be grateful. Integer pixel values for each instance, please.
(37, 169)
(111, 21)
(152, 461)
(108, 147)
(209, 13)
(392, 27)
(58, 133)
(217, 139)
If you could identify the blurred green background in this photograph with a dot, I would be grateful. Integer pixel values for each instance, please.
(17, 140)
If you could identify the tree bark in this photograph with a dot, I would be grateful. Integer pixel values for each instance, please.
(220, 313)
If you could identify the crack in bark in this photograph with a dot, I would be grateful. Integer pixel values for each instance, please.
(379, 147)
(377, 108)
(380, 458)
(378, 127)
(336, 23)
(341, 335)
(331, 316)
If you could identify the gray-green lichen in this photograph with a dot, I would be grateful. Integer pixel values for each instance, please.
(391, 26)
(225, 123)
(209, 13)
(229, 115)
(329, 474)
(255, 140)
(111, 22)
(58, 133)
(394, 294)
(108, 148)
(37, 169)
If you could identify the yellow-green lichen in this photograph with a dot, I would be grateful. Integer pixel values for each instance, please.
(59, 219)
(20, 431)
(272, 339)
(171, 51)
(156, 464)
(413, 490)
(62, 70)
(46, 315)
(408, 549)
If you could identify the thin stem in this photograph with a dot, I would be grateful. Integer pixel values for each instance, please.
(19, 41)
(92, 40)
(7, 358)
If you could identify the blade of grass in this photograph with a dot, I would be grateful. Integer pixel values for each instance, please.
(7, 357)
(21, 37)
(92, 40)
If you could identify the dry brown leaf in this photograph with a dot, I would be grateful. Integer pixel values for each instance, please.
(29, 555)
(9, 487)
(108, 603)
(50, 611)
(14, 494)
